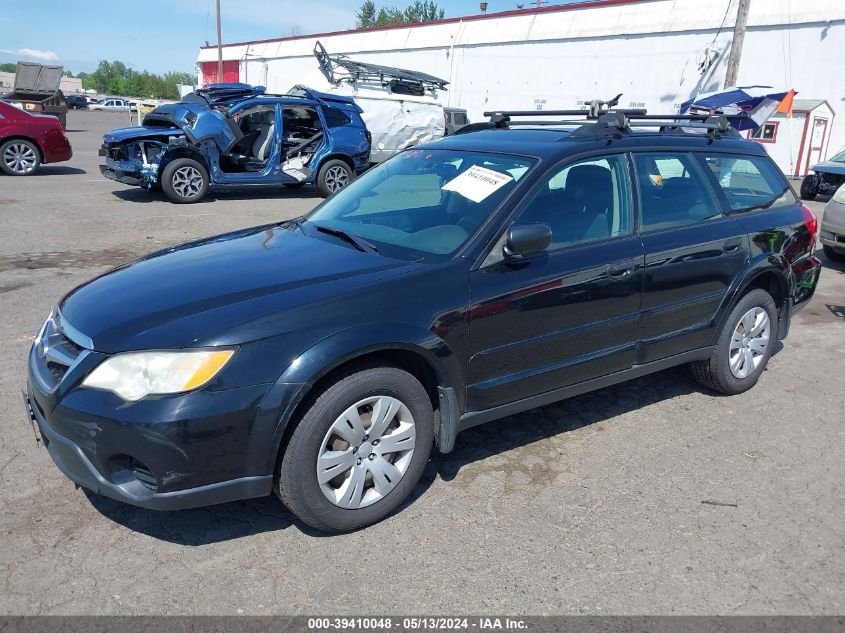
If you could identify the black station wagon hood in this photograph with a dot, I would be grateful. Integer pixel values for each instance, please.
(206, 292)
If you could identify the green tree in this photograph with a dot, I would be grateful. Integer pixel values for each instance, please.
(419, 11)
(8, 67)
(118, 79)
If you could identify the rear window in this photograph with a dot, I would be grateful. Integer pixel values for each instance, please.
(750, 182)
(336, 117)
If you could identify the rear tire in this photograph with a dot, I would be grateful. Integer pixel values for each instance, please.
(19, 157)
(741, 353)
(810, 187)
(832, 255)
(334, 175)
(361, 480)
(184, 181)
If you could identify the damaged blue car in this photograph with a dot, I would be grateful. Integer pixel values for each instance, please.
(228, 136)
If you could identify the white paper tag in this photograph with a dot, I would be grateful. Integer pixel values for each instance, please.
(477, 183)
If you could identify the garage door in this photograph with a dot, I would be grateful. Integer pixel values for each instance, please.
(231, 72)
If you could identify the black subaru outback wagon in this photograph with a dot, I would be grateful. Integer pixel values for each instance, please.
(496, 270)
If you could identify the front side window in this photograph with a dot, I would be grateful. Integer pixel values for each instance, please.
(749, 181)
(673, 191)
(584, 202)
(421, 204)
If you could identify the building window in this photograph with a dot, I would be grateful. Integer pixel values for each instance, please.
(766, 133)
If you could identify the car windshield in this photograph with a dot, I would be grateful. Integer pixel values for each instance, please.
(422, 204)
(839, 158)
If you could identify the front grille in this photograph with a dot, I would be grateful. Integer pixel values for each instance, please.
(56, 353)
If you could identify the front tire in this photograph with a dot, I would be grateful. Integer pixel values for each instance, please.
(810, 187)
(19, 157)
(184, 181)
(744, 347)
(334, 175)
(358, 451)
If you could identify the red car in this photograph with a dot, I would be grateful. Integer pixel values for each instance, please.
(27, 140)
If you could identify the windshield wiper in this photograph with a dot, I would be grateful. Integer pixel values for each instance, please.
(357, 242)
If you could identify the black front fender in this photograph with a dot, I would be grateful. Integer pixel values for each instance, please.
(342, 347)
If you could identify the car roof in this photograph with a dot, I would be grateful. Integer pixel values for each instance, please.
(552, 143)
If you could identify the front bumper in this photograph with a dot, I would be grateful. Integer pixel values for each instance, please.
(832, 230)
(72, 461)
(162, 453)
(119, 175)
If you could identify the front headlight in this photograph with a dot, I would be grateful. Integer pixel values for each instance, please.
(134, 375)
(839, 196)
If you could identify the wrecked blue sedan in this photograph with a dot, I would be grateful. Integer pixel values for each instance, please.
(227, 136)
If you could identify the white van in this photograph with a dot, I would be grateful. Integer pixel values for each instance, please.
(400, 107)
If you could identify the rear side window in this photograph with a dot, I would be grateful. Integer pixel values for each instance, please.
(749, 181)
(336, 117)
(673, 191)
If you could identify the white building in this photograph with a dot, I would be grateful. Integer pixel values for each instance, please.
(658, 53)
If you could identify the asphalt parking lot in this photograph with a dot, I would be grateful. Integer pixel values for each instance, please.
(654, 497)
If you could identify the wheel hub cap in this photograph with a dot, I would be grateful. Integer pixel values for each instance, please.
(19, 158)
(187, 181)
(366, 452)
(749, 342)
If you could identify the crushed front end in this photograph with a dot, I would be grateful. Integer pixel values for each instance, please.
(133, 155)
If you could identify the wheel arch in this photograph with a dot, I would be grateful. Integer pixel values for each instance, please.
(346, 159)
(183, 152)
(761, 273)
(420, 353)
(29, 139)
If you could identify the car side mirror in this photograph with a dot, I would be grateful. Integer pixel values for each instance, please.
(527, 239)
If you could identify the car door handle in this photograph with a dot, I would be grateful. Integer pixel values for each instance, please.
(620, 269)
(732, 245)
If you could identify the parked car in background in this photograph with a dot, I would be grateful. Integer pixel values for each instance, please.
(231, 135)
(832, 234)
(76, 102)
(826, 178)
(36, 90)
(30, 140)
(91, 100)
(456, 118)
(464, 280)
(112, 105)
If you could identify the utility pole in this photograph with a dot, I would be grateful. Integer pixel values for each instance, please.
(736, 44)
(219, 47)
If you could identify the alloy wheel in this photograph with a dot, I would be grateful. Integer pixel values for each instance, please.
(20, 158)
(366, 452)
(187, 181)
(336, 178)
(749, 342)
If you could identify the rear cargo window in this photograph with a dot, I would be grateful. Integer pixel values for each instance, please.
(750, 181)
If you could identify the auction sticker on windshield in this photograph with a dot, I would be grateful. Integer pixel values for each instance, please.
(477, 183)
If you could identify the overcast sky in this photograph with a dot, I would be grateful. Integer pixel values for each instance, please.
(162, 35)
